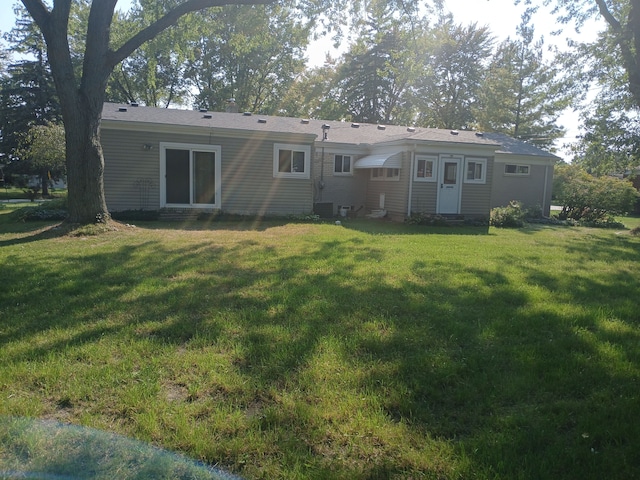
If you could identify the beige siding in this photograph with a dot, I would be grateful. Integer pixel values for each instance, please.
(476, 198)
(248, 185)
(131, 173)
(528, 189)
(425, 197)
(396, 192)
(349, 190)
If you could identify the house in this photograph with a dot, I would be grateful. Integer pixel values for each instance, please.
(241, 163)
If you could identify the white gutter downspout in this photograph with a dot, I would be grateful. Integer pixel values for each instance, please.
(544, 193)
(413, 159)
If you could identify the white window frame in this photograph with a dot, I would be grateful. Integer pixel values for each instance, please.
(434, 168)
(518, 166)
(381, 174)
(306, 149)
(476, 160)
(343, 172)
(191, 147)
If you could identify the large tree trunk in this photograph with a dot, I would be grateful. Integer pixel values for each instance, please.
(85, 168)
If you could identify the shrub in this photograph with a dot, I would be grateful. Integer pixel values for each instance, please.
(427, 219)
(589, 199)
(511, 216)
(49, 211)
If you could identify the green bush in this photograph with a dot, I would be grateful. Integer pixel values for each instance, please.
(427, 219)
(48, 211)
(511, 216)
(591, 200)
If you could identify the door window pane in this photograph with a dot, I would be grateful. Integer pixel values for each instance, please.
(204, 178)
(450, 173)
(177, 179)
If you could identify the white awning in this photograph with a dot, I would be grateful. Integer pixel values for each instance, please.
(383, 160)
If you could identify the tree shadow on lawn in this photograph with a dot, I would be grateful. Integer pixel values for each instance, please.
(455, 358)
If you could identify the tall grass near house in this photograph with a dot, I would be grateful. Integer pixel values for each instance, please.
(318, 351)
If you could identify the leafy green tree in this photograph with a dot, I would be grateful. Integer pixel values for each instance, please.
(82, 93)
(455, 62)
(523, 93)
(623, 20)
(27, 93)
(42, 151)
(314, 94)
(611, 121)
(591, 199)
(251, 54)
(154, 74)
(375, 75)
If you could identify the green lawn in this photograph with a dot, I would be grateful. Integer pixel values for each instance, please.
(361, 351)
(11, 193)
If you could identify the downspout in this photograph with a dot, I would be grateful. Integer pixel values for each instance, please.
(413, 159)
(544, 193)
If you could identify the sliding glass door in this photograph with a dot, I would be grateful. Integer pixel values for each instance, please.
(190, 175)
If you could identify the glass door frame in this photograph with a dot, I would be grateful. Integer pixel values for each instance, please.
(192, 148)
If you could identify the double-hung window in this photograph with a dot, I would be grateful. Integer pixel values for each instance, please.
(291, 161)
(475, 170)
(425, 169)
(342, 165)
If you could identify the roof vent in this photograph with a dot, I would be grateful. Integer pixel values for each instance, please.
(122, 109)
(411, 129)
(305, 121)
(479, 134)
(247, 114)
(134, 104)
(262, 120)
(355, 125)
(203, 110)
(207, 115)
(454, 132)
(382, 127)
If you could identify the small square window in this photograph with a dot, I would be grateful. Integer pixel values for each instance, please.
(476, 170)
(425, 169)
(342, 164)
(291, 161)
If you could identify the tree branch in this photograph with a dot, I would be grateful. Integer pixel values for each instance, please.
(169, 19)
(608, 16)
(38, 11)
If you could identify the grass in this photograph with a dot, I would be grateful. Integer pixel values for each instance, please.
(361, 351)
(13, 193)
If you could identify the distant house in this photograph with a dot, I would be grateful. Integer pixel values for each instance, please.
(239, 163)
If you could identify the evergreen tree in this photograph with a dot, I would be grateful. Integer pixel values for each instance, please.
(523, 94)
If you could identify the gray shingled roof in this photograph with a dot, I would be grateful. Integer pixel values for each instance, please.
(517, 147)
(339, 132)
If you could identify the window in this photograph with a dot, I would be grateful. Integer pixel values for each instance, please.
(381, 174)
(476, 170)
(425, 169)
(513, 169)
(291, 161)
(342, 165)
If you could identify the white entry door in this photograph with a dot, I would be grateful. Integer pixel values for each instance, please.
(449, 179)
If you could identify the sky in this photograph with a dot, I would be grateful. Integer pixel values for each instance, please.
(502, 17)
